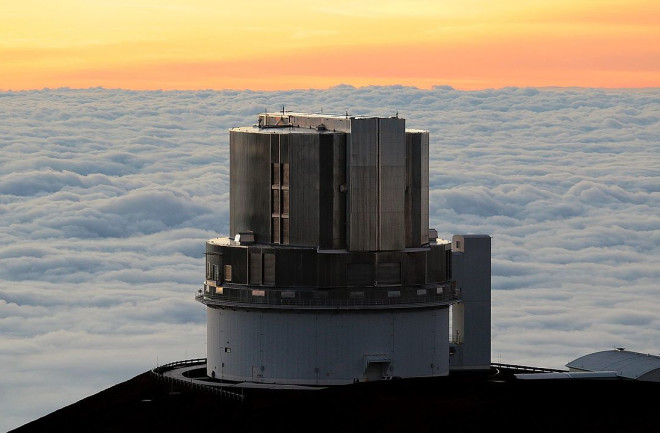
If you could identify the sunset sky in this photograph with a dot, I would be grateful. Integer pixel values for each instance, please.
(269, 45)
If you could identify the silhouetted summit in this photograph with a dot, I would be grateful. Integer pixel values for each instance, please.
(468, 401)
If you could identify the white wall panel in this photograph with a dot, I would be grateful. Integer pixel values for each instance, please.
(325, 347)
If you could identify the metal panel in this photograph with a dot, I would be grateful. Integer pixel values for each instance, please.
(275, 202)
(332, 195)
(421, 344)
(363, 217)
(360, 274)
(392, 182)
(285, 230)
(392, 217)
(391, 142)
(275, 230)
(275, 148)
(332, 270)
(237, 259)
(363, 185)
(303, 189)
(631, 365)
(388, 273)
(275, 174)
(415, 269)
(417, 188)
(325, 348)
(255, 268)
(424, 198)
(326, 193)
(339, 191)
(296, 267)
(471, 271)
(364, 142)
(250, 180)
(413, 190)
(436, 265)
(284, 148)
(269, 269)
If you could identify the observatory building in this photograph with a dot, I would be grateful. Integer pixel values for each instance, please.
(331, 273)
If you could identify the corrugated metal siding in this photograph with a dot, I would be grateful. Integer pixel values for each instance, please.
(424, 198)
(388, 273)
(255, 267)
(325, 348)
(436, 265)
(471, 271)
(269, 269)
(363, 213)
(306, 267)
(250, 180)
(326, 190)
(338, 195)
(237, 259)
(363, 185)
(296, 268)
(331, 270)
(214, 333)
(392, 183)
(359, 274)
(304, 189)
(413, 190)
(415, 268)
(417, 189)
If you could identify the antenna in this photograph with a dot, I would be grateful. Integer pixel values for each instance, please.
(282, 110)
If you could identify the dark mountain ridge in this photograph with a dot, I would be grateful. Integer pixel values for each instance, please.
(466, 401)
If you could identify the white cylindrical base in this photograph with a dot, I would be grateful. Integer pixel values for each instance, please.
(326, 347)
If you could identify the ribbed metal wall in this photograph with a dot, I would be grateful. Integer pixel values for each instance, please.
(417, 189)
(296, 266)
(249, 190)
(303, 165)
(471, 318)
(424, 199)
(363, 185)
(304, 189)
(324, 347)
(392, 183)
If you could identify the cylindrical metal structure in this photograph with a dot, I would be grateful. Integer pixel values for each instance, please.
(329, 275)
(326, 347)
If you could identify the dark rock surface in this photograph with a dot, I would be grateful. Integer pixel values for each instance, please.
(461, 402)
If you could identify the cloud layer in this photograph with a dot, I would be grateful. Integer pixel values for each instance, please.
(107, 198)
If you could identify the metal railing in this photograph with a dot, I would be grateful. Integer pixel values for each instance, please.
(191, 383)
(173, 365)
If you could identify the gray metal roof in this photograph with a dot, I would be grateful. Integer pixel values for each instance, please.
(569, 375)
(627, 364)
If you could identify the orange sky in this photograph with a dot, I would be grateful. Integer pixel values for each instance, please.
(266, 45)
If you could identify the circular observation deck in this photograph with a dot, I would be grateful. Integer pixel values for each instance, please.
(355, 298)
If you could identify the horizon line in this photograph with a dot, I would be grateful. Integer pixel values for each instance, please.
(406, 86)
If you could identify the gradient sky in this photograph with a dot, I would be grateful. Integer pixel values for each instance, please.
(267, 45)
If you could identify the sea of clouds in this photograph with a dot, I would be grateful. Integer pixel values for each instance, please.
(108, 196)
